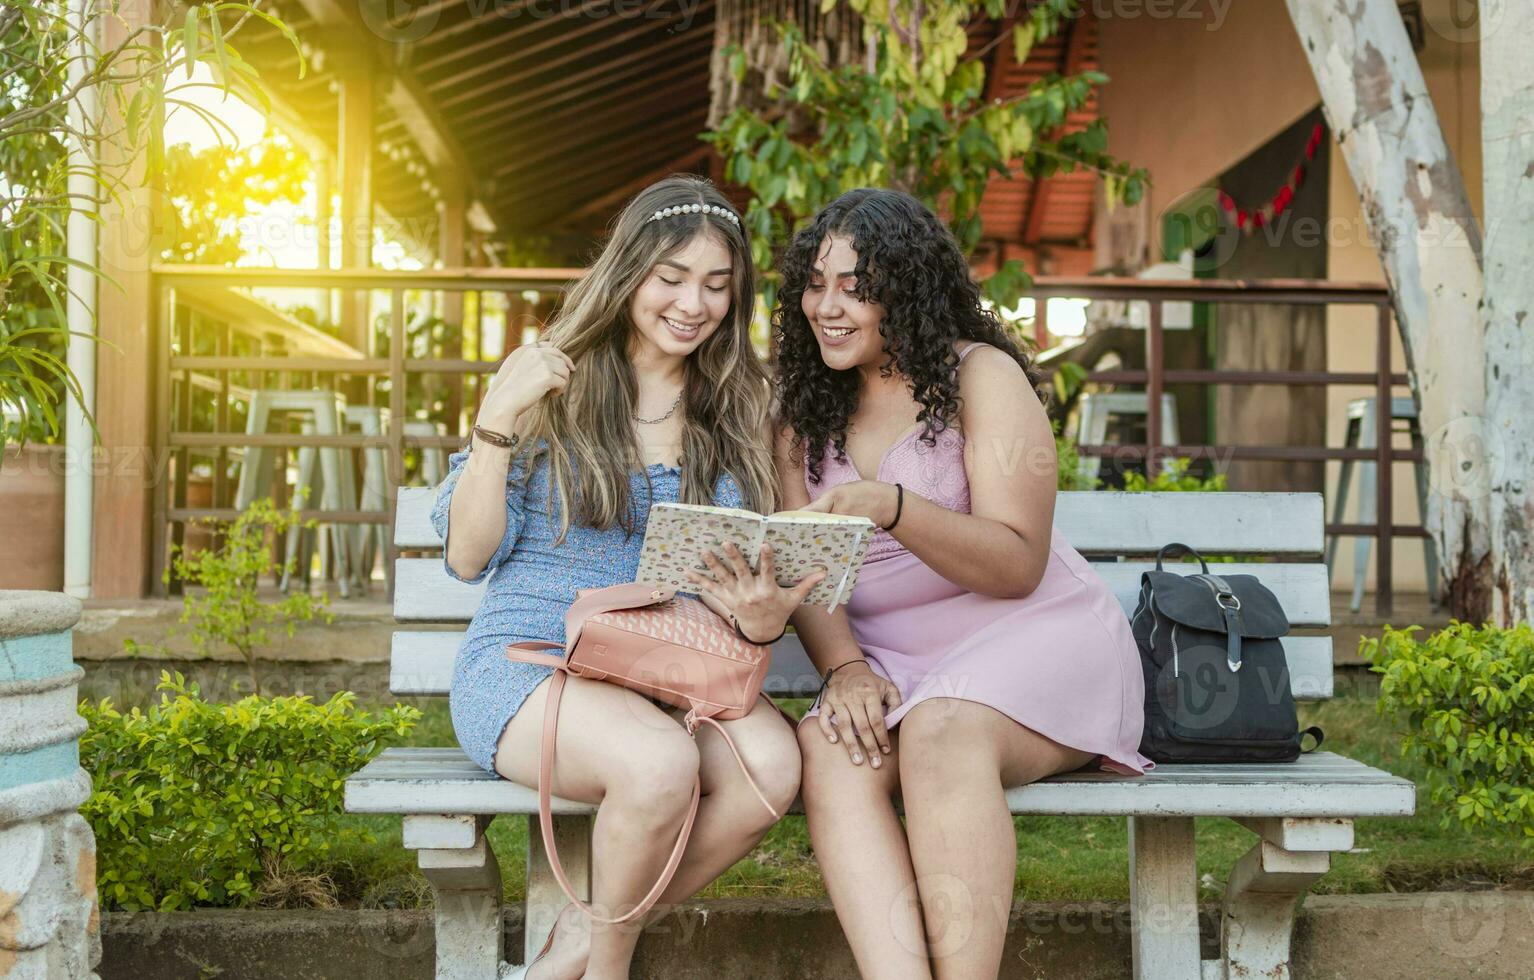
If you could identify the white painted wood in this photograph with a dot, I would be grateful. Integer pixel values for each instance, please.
(1319, 784)
(412, 519)
(1507, 63)
(1102, 522)
(1303, 589)
(467, 885)
(1262, 894)
(545, 899)
(1163, 896)
(1427, 239)
(424, 592)
(1303, 833)
(422, 666)
(1099, 522)
(438, 831)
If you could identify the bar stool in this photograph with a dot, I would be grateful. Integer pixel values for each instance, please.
(332, 477)
(1361, 434)
(433, 459)
(1097, 407)
(369, 539)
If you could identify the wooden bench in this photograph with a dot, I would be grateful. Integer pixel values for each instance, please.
(1300, 812)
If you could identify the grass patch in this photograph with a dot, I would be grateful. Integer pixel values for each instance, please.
(1059, 858)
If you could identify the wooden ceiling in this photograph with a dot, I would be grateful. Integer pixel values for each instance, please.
(563, 109)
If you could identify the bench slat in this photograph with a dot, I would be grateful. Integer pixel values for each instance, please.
(1098, 522)
(424, 592)
(421, 665)
(1321, 784)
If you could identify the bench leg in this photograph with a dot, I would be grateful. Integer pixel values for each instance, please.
(466, 881)
(545, 899)
(1163, 898)
(1261, 897)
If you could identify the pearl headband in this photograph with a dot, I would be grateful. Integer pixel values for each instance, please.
(696, 209)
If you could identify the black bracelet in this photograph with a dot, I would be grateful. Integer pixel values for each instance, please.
(827, 679)
(761, 643)
(899, 506)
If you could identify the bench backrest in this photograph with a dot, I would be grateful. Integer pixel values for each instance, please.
(1119, 531)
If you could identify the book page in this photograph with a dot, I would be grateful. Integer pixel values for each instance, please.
(802, 541)
(678, 533)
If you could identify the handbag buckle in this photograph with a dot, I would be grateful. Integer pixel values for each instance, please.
(1228, 600)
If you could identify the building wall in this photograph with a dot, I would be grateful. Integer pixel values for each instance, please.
(1198, 86)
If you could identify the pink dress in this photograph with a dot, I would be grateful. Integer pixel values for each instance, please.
(1060, 661)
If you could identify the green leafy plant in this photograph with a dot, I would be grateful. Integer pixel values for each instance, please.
(1175, 477)
(228, 610)
(48, 61)
(1466, 695)
(200, 803)
(1070, 476)
(918, 121)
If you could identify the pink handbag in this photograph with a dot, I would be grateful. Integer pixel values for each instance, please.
(672, 648)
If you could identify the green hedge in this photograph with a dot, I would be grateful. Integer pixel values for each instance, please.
(1466, 696)
(201, 803)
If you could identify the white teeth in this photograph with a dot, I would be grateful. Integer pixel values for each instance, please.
(681, 328)
(837, 331)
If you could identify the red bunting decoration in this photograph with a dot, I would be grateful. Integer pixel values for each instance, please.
(1248, 221)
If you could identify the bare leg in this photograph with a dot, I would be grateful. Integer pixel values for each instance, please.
(731, 819)
(863, 856)
(959, 756)
(616, 749)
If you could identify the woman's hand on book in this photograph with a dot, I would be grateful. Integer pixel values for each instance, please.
(852, 711)
(758, 604)
(527, 374)
(861, 498)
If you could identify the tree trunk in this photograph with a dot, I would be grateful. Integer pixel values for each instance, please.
(1507, 106)
(1428, 241)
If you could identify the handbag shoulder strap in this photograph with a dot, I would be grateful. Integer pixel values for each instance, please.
(545, 805)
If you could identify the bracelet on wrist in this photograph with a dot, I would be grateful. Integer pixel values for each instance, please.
(899, 506)
(495, 438)
(761, 643)
(827, 679)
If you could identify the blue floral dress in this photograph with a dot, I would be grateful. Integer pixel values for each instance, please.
(532, 582)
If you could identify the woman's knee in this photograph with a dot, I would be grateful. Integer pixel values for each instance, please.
(655, 777)
(943, 739)
(776, 769)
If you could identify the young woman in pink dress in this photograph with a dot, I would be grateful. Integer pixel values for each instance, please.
(979, 650)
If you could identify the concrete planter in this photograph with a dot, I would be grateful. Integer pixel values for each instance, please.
(1436, 935)
(49, 918)
(32, 517)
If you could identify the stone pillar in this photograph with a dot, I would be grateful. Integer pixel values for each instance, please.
(50, 923)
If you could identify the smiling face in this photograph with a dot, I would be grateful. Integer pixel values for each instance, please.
(684, 298)
(846, 327)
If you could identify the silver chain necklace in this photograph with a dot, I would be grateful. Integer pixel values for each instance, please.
(669, 412)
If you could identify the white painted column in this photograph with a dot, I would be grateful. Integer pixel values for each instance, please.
(80, 311)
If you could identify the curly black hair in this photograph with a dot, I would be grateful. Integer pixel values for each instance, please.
(909, 262)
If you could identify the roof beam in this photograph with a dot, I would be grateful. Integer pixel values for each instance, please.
(402, 94)
(592, 122)
(585, 51)
(610, 200)
(534, 102)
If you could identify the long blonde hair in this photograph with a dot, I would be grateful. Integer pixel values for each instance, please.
(587, 431)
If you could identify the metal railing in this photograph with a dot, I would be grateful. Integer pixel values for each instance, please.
(171, 512)
(1155, 376)
(172, 440)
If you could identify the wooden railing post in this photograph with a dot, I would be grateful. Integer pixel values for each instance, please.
(1383, 512)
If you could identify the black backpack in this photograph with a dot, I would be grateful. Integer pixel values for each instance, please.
(1216, 679)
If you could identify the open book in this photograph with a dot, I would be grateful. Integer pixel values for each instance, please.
(801, 541)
